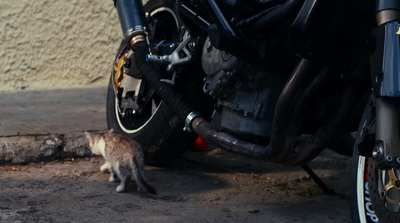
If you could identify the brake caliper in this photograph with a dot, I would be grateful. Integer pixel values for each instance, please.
(119, 71)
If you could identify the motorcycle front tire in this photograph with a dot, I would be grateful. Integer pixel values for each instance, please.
(366, 201)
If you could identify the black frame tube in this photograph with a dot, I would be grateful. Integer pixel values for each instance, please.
(217, 14)
(289, 8)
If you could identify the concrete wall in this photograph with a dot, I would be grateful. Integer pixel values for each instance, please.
(57, 43)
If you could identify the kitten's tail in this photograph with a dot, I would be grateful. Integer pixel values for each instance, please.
(138, 174)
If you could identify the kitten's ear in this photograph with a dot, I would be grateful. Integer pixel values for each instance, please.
(111, 130)
(89, 136)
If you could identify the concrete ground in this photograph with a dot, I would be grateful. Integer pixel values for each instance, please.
(49, 124)
(213, 186)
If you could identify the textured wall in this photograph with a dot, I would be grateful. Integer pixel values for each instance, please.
(57, 43)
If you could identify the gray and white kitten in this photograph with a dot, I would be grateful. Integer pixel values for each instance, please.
(124, 158)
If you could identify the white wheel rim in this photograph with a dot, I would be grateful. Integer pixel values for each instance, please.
(132, 131)
(360, 188)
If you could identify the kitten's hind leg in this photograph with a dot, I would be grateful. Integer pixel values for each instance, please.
(126, 178)
(113, 176)
(124, 184)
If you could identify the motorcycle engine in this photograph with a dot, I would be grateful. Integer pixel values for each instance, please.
(246, 95)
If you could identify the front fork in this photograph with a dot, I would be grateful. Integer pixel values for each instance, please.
(385, 73)
(133, 20)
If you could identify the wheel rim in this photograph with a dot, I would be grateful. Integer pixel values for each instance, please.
(134, 124)
(362, 187)
(122, 125)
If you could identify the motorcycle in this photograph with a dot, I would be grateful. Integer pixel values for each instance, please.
(276, 80)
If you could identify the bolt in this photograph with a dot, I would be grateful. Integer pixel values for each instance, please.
(398, 160)
(389, 158)
(377, 153)
(192, 45)
(219, 81)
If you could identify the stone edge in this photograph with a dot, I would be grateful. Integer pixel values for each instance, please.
(38, 148)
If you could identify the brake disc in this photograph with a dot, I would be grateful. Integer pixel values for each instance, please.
(384, 193)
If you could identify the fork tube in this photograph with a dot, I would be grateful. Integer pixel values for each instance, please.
(385, 71)
(387, 11)
(132, 18)
(388, 132)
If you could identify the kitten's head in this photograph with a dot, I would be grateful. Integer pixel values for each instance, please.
(91, 137)
(96, 143)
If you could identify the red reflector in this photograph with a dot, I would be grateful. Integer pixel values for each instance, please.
(200, 144)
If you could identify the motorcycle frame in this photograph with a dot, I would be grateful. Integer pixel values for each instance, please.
(283, 147)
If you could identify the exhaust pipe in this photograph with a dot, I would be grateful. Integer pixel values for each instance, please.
(278, 150)
(194, 121)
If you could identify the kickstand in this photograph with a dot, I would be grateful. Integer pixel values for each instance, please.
(317, 180)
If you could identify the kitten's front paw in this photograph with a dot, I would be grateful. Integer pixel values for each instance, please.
(113, 179)
(105, 168)
(120, 188)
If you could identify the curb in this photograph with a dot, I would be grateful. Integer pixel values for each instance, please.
(38, 148)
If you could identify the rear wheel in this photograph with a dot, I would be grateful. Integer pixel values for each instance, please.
(133, 109)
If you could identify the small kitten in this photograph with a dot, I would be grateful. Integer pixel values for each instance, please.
(124, 158)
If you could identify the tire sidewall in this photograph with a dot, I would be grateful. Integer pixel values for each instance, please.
(360, 201)
(161, 138)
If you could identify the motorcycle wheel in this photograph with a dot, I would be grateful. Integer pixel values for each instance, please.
(367, 196)
(157, 130)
